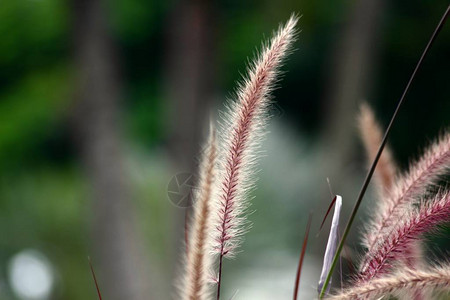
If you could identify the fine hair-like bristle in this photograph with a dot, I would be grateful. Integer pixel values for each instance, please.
(411, 226)
(242, 129)
(371, 136)
(399, 283)
(198, 261)
(412, 185)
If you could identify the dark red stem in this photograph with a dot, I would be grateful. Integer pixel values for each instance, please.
(219, 279)
(302, 256)
(95, 279)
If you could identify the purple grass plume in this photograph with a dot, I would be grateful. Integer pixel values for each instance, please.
(384, 179)
(243, 127)
(423, 174)
(198, 261)
(371, 136)
(399, 284)
(411, 226)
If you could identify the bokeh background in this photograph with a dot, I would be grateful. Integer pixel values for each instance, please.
(104, 103)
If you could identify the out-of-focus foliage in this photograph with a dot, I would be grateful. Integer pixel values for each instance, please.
(43, 192)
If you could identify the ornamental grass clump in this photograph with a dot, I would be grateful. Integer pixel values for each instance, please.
(409, 204)
(220, 206)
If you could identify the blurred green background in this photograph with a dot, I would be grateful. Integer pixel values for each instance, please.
(102, 103)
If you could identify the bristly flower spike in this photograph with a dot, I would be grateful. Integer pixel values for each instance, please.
(424, 173)
(371, 136)
(242, 129)
(198, 259)
(399, 283)
(410, 228)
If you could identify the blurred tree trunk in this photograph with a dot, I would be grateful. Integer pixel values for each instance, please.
(351, 74)
(351, 67)
(118, 250)
(190, 86)
(190, 77)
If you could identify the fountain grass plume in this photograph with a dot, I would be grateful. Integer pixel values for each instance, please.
(371, 135)
(423, 174)
(411, 227)
(198, 261)
(243, 126)
(399, 283)
(385, 175)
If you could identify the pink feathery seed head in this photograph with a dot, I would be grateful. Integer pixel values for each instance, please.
(410, 228)
(414, 259)
(242, 129)
(384, 178)
(422, 174)
(371, 136)
(198, 261)
(400, 283)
